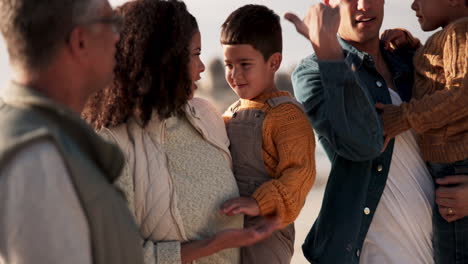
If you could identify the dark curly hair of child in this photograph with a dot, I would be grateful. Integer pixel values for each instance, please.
(152, 65)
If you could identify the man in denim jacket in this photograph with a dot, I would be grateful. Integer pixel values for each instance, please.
(339, 86)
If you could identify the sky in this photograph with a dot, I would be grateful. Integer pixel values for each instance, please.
(211, 14)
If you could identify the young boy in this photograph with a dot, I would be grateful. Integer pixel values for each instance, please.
(438, 113)
(272, 142)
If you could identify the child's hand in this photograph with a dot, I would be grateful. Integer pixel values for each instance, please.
(394, 39)
(240, 205)
(397, 38)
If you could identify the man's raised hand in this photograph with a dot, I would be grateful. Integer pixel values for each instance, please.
(320, 26)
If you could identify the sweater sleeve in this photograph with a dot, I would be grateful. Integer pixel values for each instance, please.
(443, 106)
(289, 155)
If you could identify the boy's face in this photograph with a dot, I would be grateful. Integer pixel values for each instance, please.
(247, 72)
(432, 14)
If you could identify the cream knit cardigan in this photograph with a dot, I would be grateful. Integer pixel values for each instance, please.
(146, 170)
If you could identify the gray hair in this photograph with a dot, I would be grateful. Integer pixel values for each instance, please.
(34, 29)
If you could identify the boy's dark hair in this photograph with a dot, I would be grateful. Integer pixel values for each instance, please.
(254, 25)
(152, 65)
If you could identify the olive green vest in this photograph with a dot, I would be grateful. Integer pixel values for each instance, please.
(27, 117)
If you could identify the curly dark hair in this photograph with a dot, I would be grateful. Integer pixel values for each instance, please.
(152, 65)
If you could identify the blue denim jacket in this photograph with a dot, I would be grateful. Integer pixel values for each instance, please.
(339, 98)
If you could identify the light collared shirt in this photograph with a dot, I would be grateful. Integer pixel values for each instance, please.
(41, 219)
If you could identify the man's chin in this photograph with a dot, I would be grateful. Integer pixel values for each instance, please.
(365, 37)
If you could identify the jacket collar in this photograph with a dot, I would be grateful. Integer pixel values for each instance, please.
(104, 155)
(16, 94)
(394, 60)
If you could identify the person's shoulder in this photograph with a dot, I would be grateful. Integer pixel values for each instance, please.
(230, 110)
(310, 62)
(459, 26)
(45, 148)
(203, 106)
(122, 134)
(35, 155)
(458, 29)
(287, 108)
(205, 113)
(288, 111)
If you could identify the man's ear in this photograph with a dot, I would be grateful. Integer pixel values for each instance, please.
(274, 62)
(77, 43)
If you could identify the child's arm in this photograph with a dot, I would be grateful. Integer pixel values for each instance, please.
(287, 134)
(442, 107)
(289, 155)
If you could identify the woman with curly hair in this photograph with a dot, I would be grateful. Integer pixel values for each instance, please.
(178, 165)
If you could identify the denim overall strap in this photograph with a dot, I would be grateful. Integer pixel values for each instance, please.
(276, 101)
(245, 133)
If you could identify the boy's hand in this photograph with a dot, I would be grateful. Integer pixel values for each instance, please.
(241, 205)
(394, 39)
(397, 38)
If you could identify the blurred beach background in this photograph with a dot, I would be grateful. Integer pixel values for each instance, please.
(210, 15)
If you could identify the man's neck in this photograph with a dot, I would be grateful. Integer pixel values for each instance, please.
(371, 47)
(56, 87)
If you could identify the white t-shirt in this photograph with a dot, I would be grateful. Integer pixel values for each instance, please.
(401, 230)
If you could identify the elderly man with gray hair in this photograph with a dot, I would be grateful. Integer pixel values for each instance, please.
(57, 203)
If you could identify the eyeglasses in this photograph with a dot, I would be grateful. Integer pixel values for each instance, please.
(115, 21)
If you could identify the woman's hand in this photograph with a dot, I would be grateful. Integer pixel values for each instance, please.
(240, 205)
(452, 197)
(232, 238)
(236, 238)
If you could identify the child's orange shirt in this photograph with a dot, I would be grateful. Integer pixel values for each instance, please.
(289, 157)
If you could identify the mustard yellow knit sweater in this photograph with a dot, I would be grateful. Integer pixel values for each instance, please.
(288, 155)
(438, 111)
